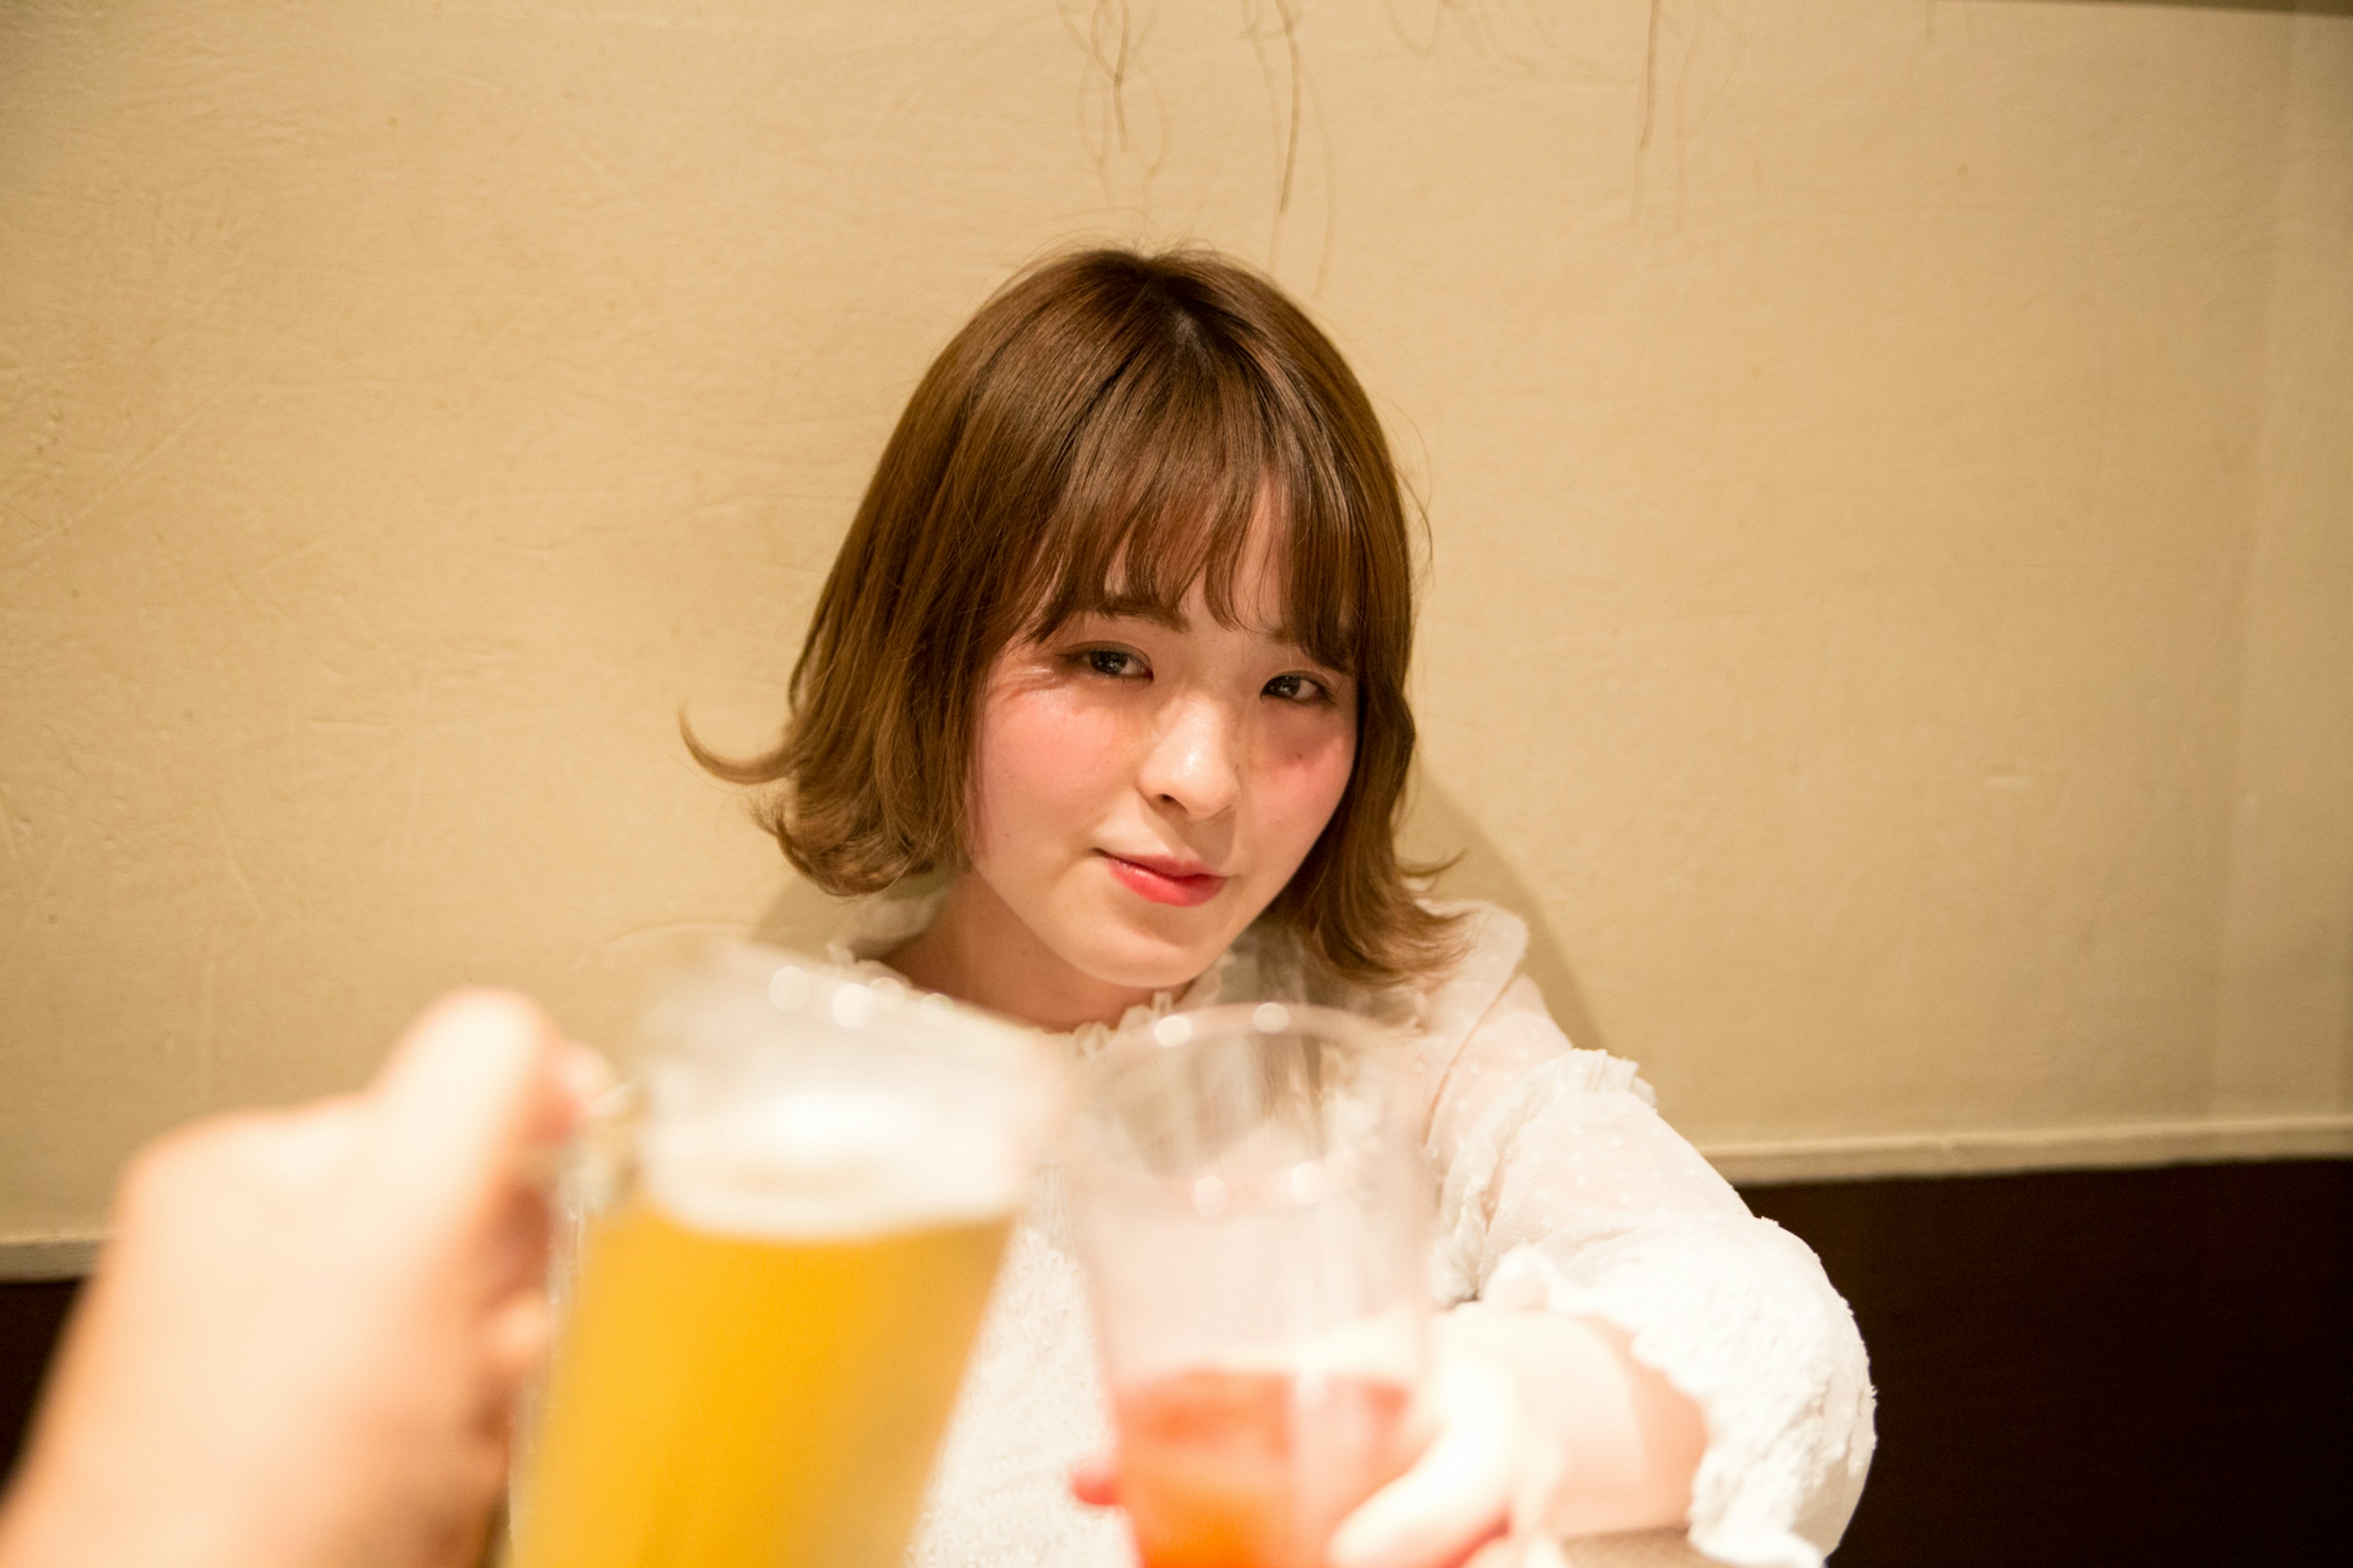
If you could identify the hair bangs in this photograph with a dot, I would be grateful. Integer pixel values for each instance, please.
(1184, 472)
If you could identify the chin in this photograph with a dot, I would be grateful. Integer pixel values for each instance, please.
(1143, 962)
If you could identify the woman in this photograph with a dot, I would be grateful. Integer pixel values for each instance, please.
(1117, 646)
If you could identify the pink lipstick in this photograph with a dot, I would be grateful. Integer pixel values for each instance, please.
(1164, 881)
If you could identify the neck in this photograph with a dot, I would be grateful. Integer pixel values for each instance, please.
(979, 950)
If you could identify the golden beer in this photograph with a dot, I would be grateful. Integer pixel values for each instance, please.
(732, 1401)
(787, 1239)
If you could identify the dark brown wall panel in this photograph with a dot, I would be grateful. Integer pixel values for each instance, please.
(2075, 1369)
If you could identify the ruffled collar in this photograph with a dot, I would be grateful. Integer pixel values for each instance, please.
(878, 925)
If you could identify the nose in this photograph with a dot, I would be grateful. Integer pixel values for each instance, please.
(1195, 763)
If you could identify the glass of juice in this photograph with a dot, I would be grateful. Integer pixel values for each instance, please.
(1253, 1210)
(783, 1249)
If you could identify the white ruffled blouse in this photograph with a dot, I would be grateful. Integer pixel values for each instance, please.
(1560, 1188)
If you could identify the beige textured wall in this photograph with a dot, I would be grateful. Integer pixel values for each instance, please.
(1892, 614)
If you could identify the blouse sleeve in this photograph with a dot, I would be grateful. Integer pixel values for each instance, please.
(1562, 1189)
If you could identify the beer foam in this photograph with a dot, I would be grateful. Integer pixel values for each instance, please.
(832, 1161)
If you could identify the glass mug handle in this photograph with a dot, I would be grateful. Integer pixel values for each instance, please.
(590, 1173)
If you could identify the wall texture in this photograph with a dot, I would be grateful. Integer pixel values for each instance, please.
(1891, 612)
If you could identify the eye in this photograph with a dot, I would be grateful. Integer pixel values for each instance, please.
(1297, 689)
(1117, 663)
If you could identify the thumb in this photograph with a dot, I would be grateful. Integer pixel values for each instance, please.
(480, 1078)
(1458, 1492)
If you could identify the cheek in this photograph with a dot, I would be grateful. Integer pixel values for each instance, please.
(1044, 763)
(1303, 785)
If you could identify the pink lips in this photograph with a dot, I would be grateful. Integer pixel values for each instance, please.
(1166, 881)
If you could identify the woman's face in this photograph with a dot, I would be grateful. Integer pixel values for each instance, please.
(1143, 789)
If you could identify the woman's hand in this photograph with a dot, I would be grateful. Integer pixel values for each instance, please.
(1541, 1427)
(1095, 1482)
(302, 1345)
(1545, 1427)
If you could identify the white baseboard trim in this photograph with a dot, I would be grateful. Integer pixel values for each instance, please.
(49, 1255)
(2116, 1145)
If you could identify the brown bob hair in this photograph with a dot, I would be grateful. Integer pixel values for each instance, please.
(1098, 437)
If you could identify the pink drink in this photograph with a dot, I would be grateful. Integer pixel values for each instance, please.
(1253, 1469)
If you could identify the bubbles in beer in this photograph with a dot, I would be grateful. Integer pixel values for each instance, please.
(829, 1161)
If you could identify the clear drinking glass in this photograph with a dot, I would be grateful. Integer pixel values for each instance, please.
(1253, 1210)
(785, 1245)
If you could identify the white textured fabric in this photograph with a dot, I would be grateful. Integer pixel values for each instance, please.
(1560, 1189)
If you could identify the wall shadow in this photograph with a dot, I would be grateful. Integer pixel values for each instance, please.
(1438, 829)
(800, 919)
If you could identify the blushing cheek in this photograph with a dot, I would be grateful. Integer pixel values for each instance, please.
(1047, 767)
(1305, 784)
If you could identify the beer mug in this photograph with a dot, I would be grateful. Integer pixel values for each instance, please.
(783, 1252)
(1253, 1210)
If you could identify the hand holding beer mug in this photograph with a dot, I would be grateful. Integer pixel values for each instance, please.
(787, 1246)
(1252, 1202)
